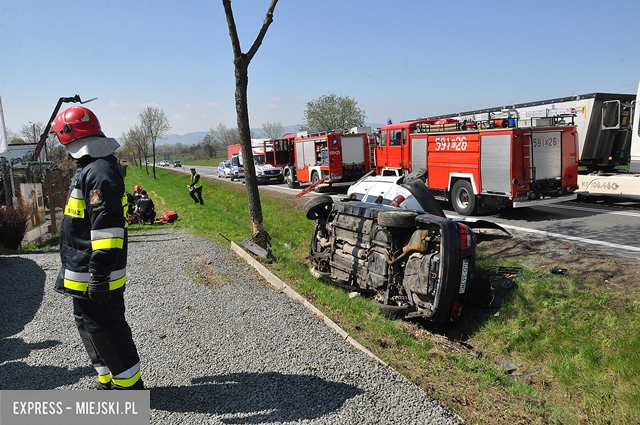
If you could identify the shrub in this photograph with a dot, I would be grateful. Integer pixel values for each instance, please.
(13, 226)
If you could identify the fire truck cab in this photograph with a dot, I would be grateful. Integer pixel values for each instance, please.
(340, 158)
(484, 165)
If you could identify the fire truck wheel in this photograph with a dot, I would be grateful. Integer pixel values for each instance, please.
(314, 177)
(397, 219)
(463, 198)
(318, 206)
(289, 178)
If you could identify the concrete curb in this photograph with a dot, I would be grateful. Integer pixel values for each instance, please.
(279, 285)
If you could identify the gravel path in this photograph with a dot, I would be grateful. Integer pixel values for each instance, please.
(235, 352)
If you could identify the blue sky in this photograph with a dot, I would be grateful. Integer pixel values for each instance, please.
(399, 59)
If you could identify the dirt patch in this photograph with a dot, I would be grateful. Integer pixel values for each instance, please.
(594, 266)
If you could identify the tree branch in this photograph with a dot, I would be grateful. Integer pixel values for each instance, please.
(268, 19)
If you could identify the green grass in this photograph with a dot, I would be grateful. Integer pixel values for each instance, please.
(579, 340)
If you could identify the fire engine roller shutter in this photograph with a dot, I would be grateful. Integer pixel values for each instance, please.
(547, 154)
(352, 149)
(495, 163)
(418, 153)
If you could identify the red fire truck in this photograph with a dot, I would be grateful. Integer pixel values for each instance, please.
(484, 165)
(340, 158)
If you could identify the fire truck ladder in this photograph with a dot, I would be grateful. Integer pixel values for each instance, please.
(372, 154)
(528, 173)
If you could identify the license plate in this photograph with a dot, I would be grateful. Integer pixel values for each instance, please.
(465, 273)
(273, 178)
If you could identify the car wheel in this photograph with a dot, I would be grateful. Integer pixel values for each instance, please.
(392, 312)
(463, 199)
(319, 206)
(397, 219)
(420, 174)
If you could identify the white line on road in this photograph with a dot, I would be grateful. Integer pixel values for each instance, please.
(596, 210)
(573, 238)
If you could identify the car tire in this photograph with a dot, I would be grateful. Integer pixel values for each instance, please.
(318, 206)
(392, 312)
(397, 219)
(420, 174)
(463, 199)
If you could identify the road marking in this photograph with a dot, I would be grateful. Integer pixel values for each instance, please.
(596, 210)
(573, 238)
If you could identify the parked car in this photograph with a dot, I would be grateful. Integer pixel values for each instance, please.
(177, 164)
(224, 169)
(163, 163)
(403, 250)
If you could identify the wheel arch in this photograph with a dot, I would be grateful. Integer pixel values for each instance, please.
(455, 177)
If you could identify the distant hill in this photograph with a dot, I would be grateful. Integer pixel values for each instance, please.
(197, 136)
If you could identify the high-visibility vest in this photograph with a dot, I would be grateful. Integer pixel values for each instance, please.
(196, 181)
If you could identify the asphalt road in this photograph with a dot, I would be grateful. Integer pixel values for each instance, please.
(606, 224)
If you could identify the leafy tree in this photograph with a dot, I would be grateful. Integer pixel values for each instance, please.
(273, 130)
(330, 112)
(224, 135)
(209, 145)
(137, 142)
(241, 61)
(155, 124)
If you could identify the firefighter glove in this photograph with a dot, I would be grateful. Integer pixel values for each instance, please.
(98, 289)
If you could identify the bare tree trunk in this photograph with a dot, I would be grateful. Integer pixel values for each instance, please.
(241, 61)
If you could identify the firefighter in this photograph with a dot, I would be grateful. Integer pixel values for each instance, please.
(93, 250)
(136, 192)
(195, 188)
(145, 210)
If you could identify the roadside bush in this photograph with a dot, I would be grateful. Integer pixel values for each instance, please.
(13, 226)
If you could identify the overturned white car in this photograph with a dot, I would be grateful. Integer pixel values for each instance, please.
(393, 240)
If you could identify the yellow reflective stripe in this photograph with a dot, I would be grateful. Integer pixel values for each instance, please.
(107, 238)
(126, 383)
(104, 379)
(78, 281)
(75, 207)
(74, 285)
(125, 208)
(119, 283)
(129, 377)
(107, 244)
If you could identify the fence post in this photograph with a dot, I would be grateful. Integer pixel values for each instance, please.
(53, 229)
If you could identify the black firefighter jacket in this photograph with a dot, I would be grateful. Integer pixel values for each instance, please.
(93, 234)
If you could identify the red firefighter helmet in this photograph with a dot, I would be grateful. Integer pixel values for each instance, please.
(137, 188)
(75, 123)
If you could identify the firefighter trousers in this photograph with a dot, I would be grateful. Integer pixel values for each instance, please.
(109, 342)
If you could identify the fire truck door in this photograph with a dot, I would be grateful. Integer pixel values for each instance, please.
(395, 147)
(495, 163)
